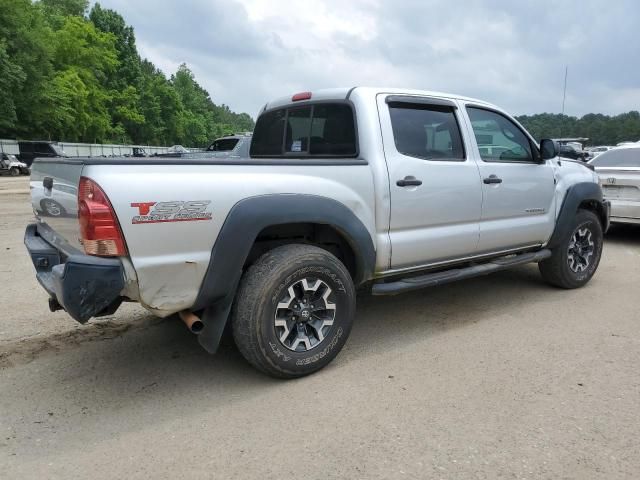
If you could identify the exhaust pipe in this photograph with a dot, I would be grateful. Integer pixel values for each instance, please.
(193, 322)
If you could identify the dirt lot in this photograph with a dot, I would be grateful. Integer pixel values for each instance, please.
(498, 377)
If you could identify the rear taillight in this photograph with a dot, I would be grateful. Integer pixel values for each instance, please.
(99, 229)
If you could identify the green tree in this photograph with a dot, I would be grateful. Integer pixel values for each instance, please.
(64, 76)
(66, 7)
(26, 37)
(599, 129)
(130, 68)
(83, 58)
(12, 77)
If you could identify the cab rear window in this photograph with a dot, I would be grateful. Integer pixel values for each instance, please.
(317, 130)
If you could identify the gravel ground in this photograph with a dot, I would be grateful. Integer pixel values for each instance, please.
(496, 377)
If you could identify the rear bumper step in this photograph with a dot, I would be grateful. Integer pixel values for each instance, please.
(440, 278)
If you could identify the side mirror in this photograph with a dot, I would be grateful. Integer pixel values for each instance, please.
(548, 149)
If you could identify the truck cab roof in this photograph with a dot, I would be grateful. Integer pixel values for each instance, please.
(367, 92)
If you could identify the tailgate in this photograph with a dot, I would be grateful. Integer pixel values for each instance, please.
(54, 197)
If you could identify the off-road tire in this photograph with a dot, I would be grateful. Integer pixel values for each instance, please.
(14, 171)
(260, 294)
(557, 269)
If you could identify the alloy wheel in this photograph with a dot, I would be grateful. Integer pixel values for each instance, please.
(304, 315)
(581, 250)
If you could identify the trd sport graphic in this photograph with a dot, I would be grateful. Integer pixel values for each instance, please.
(175, 211)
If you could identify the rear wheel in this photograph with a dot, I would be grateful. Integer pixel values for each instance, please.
(576, 258)
(293, 311)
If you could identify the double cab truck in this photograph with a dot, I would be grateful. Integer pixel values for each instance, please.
(370, 189)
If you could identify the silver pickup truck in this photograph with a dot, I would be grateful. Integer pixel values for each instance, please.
(382, 190)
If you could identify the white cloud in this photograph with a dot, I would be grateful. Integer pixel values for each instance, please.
(246, 52)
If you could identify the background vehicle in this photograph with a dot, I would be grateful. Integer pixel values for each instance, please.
(569, 151)
(231, 145)
(177, 149)
(174, 151)
(619, 171)
(383, 189)
(33, 149)
(595, 151)
(9, 165)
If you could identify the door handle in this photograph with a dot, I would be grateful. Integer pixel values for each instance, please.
(492, 179)
(409, 181)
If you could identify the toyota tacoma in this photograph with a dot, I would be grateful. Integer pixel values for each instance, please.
(381, 190)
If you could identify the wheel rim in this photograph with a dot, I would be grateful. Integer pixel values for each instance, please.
(52, 208)
(304, 315)
(581, 250)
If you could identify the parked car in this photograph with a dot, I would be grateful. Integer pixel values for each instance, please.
(569, 151)
(29, 150)
(595, 151)
(231, 146)
(10, 165)
(619, 172)
(278, 243)
(177, 149)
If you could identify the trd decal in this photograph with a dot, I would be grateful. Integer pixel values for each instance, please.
(162, 212)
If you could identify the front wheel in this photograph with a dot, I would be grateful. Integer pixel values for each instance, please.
(293, 311)
(14, 171)
(576, 258)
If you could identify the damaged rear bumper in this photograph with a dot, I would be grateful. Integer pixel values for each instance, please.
(84, 285)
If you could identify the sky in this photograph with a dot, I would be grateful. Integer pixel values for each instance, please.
(510, 53)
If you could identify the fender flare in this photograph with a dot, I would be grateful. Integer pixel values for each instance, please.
(575, 196)
(244, 222)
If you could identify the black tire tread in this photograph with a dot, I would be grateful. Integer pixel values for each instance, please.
(257, 282)
(554, 269)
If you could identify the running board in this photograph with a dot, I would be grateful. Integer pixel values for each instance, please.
(455, 274)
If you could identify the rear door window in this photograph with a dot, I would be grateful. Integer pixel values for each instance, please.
(317, 130)
(430, 132)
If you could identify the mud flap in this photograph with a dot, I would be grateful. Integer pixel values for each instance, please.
(215, 319)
